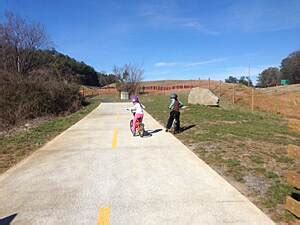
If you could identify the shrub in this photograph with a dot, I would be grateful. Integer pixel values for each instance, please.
(37, 94)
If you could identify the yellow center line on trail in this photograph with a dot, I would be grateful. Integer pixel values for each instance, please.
(104, 216)
(115, 139)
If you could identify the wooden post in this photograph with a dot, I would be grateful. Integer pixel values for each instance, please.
(292, 204)
(252, 100)
(276, 102)
(293, 151)
(294, 125)
(233, 93)
(220, 84)
(209, 83)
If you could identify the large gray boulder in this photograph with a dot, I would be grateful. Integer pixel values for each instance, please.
(203, 96)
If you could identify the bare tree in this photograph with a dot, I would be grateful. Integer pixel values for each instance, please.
(129, 77)
(2, 43)
(18, 43)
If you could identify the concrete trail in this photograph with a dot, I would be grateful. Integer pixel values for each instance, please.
(97, 173)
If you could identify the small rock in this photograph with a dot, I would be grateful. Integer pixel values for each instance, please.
(27, 126)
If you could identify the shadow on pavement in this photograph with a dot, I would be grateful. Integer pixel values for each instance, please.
(154, 131)
(7, 220)
(148, 133)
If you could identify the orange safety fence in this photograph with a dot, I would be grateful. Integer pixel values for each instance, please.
(286, 103)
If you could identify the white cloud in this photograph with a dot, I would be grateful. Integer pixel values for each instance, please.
(193, 24)
(166, 15)
(242, 16)
(206, 62)
(189, 64)
(262, 16)
(165, 64)
(196, 25)
(244, 70)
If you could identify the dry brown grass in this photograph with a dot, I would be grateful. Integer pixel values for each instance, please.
(280, 100)
(284, 100)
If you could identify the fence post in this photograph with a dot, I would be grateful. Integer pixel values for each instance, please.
(252, 99)
(276, 102)
(279, 105)
(209, 83)
(220, 84)
(233, 94)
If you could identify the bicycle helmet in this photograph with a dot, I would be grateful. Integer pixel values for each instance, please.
(173, 96)
(135, 99)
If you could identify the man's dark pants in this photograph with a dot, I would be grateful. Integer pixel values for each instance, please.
(174, 115)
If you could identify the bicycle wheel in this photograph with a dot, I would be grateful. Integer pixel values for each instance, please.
(130, 125)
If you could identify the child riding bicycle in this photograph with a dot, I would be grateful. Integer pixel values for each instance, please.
(174, 113)
(138, 109)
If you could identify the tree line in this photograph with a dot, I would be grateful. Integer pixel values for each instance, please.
(65, 65)
(289, 70)
(242, 80)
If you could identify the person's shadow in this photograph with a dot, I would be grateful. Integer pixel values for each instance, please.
(184, 128)
(7, 220)
(148, 133)
(154, 131)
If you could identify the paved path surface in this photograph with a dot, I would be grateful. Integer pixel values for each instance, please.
(97, 173)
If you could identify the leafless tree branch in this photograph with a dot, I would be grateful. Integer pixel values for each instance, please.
(129, 77)
(18, 43)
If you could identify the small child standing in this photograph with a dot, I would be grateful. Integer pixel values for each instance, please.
(174, 113)
(138, 109)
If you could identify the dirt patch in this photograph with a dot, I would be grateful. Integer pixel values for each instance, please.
(257, 184)
(26, 126)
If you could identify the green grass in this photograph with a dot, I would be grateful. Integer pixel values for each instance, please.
(16, 147)
(271, 174)
(277, 192)
(235, 169)
(238, 143)
(220, 123)
(257, 159)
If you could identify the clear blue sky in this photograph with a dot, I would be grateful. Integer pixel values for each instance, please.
(178, 39)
